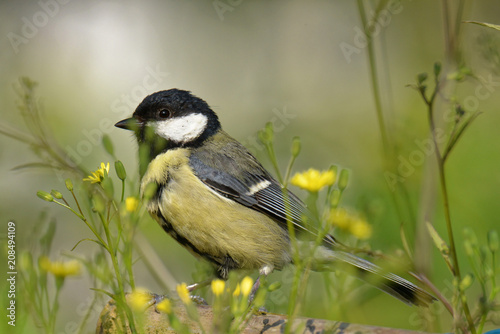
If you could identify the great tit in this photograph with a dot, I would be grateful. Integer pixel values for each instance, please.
(218, 201)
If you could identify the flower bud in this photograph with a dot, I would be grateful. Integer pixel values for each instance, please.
(343, 179)
(270, 131)
(493, 241)
(45, 196)
(165, 306)
(108, 145)
(69, 184)
(120, 170)
(421, 78)
(466, 282)
(246, 286)
(218, 287)
(437, 69)
(296, 146)
(335, 198)
(274, 286)
(56, 194)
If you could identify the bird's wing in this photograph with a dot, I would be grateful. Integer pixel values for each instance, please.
(233, 172)
(228, 168)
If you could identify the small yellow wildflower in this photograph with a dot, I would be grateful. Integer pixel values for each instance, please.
(361, 229)
(313, 180)
(60, 269)
(246, 286)
(164, 306)
(99, 174)
(237, 291)
(340, 218)
(351, 223)
(218, 286)
(131, 204)
(183, 293)
(139, 299)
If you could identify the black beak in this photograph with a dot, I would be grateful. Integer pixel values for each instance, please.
(129, 124)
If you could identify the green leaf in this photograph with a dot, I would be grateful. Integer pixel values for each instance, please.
(484, 24)
(87, 239)
(32, 165)
(404, 239)
(458, 134)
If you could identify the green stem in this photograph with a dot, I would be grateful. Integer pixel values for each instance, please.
(77, 204)
(123, 191)
(55, 307)
(272, 157)
(446, 204)
(373, 79)
(119, 280)
(288, 171)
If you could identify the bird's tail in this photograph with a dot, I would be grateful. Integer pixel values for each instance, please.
(388, 282)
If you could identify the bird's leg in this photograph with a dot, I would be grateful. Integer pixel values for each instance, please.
(195, 286)
(264, 271)
(253, 292)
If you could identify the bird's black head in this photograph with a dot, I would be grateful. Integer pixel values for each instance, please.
(172, 118)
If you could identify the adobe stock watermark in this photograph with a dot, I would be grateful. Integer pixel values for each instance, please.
(408, 164)
(32, 25)
(223, 6)
(121, 107)
(372, 29)
(281, 119)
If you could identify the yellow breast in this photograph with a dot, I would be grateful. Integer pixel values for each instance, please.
(214, 226)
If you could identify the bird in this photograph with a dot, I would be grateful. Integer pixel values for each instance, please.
(217, 200)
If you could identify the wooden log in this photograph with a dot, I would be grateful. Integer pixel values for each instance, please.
(153, 321)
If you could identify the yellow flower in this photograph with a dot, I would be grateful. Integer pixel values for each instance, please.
(131, 204)
(246, 286)
(164, 306)
(361, 229)
(350, 222)
(139, 299)
(99, 174)
(237, 291)
(218, 286)
(183, 293)
(59, 268)
(313, 180)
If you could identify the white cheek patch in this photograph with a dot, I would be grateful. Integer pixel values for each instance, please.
(182, 129)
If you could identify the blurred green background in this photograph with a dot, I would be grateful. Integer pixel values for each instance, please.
(253, 62)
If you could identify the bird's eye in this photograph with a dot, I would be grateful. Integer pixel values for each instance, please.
(164, 113)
